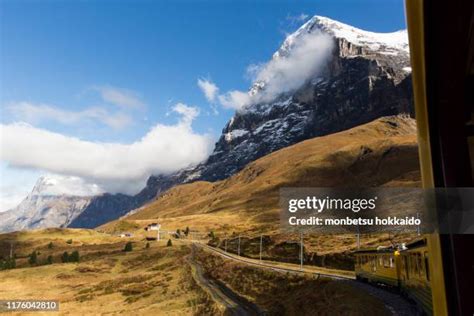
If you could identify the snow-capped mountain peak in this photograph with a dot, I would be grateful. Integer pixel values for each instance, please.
(55, 185)
(385, 43)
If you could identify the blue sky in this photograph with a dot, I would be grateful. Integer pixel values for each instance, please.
(109, 71)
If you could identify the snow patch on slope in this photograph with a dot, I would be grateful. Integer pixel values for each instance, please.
(236, 133)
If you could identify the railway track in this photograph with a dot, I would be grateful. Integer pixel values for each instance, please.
(332, 274)
(395, 303)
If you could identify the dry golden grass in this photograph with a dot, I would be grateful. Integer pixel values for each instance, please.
(152, 280)
(289, 294)
(381, 153)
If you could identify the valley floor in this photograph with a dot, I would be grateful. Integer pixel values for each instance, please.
(162, 279)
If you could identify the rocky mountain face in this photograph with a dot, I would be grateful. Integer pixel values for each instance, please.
(50, 204)
(367, 76)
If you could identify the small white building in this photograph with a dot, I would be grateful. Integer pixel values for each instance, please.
(152, 231)
(153, 226)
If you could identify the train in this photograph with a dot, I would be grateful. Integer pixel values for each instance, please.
(404, 268)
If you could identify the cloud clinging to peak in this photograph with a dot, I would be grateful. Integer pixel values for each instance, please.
(283, 73)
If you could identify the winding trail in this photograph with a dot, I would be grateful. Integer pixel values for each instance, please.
(233, 303)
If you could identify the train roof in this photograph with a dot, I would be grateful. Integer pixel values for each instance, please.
(416, 243)
(375, 250)
(388, 249)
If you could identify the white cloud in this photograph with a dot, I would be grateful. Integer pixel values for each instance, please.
(188, 113)
(34, 113)
(306, 58)
(121, 97)
(235, 99)
(209, 89)
(297, 18)
(282, 74)
(115, 167)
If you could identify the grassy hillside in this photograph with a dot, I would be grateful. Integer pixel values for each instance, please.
(106, 280)
(381, 153)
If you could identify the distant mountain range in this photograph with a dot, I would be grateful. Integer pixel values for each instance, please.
(367, 76)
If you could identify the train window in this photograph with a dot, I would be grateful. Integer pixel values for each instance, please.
(427, 267)
(380, 261)
(392, 262)
(414, 264)
(420, 265)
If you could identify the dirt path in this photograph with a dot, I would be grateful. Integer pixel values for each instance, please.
(233, 303)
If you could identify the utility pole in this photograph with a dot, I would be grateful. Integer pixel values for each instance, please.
(11, 250)
(358, 237)
(261, 237)
(301, 251)
(238, 248)
(418, 227)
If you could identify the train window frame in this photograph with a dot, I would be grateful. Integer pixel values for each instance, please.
(414, 264)
(407, 266)
(420, 263)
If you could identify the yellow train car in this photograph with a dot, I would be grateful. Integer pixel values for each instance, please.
(405, 268)
(377, 266)
(414, 274)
